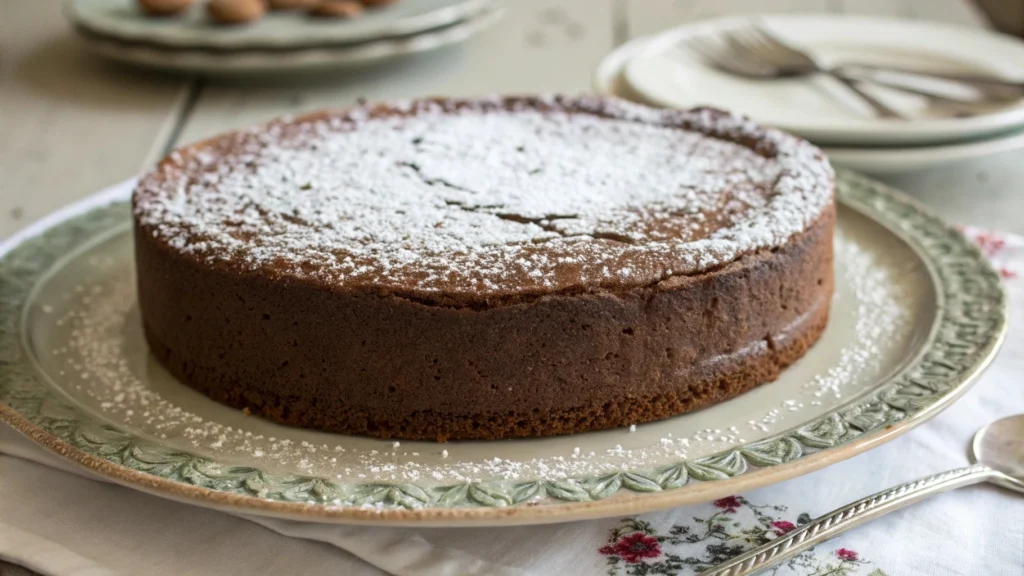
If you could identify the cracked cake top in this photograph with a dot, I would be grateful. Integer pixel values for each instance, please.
(486, 199)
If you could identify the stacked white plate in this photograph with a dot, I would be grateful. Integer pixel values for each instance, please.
(280, 41)
(658, 70)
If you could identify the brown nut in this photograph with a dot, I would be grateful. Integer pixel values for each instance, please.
(235, 11)
(337, 9)
(164, 7)
(377, 3)
(292, 4)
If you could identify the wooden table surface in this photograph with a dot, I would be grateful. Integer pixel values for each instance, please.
(72, 124)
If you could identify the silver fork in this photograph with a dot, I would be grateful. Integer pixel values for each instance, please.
(756, 37)
(746, 51)
(753, 52)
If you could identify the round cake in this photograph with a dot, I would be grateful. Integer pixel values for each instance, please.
(489, 268)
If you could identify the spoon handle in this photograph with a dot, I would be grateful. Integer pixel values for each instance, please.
(841, 520)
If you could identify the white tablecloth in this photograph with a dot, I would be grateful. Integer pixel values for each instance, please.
(57, 522)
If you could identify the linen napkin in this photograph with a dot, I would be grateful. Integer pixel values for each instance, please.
(56, 521)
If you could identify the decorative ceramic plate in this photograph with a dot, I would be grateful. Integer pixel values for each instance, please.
(608, 80)
(122, 20)
(917, 314)
(299, 59)
(822, 109)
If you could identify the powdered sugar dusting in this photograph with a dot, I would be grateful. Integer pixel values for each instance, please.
(488, 197)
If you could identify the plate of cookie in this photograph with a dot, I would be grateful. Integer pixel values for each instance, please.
(272, 35)
(368, 316)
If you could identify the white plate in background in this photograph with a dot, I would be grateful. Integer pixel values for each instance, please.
(819, 108)
(608, 80)
(882, 161)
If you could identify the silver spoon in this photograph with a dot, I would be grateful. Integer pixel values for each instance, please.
(998, 456)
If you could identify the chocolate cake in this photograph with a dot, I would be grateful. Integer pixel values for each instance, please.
(490, 268)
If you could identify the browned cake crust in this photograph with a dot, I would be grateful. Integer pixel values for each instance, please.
(400, 360)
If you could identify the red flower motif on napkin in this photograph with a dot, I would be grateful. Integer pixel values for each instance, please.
(990, 244)
(783, 526)
(719, 531)
(729, 503)
(1002, 250)
(847, 554)
(633, 548)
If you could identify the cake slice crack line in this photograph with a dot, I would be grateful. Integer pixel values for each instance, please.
(545, 222)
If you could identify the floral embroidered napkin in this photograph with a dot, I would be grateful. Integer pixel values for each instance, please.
(56, 522)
